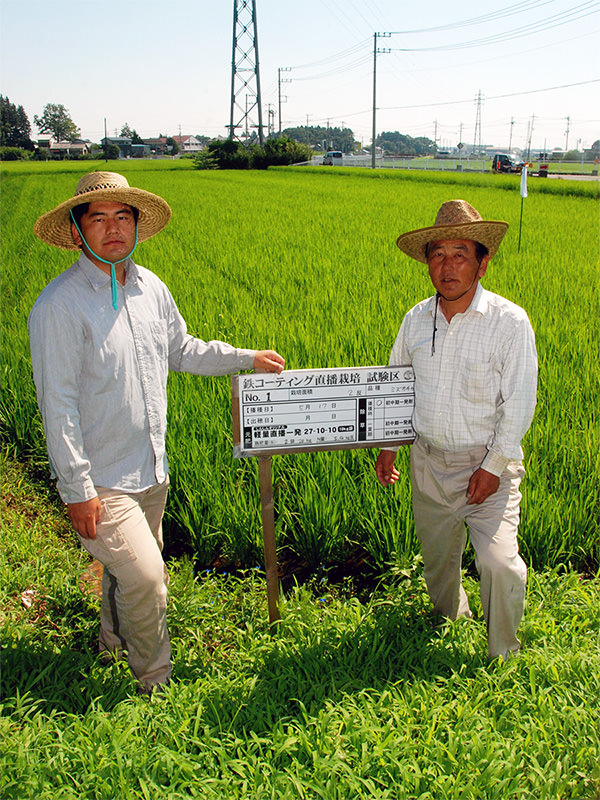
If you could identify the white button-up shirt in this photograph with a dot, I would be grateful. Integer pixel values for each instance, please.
(101, 376)
(479, 386)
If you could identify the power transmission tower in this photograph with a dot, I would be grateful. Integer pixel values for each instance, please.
(281, 80)
(270, 121)
(245, 73)
(477, 135)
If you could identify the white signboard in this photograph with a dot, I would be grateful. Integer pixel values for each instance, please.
(326, 409)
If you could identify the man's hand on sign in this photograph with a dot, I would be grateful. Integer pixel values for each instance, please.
(268, 361)
(481, 486)
(384, 468)
(84, 517)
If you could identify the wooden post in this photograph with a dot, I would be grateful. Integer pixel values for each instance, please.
(268, 523)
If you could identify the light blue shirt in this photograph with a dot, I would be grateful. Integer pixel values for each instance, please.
(101, 376)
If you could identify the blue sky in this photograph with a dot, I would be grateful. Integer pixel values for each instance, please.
(165, 66)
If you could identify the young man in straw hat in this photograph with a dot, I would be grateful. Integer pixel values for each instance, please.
(475, 364)
(104, 335)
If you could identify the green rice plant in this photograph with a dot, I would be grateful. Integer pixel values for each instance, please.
(305, 261)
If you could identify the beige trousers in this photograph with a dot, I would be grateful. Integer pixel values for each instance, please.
(439, 484)
(133, 615)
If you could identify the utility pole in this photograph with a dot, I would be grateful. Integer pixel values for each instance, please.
(567, 135)
(530, 135)
(281, 80)
(375, 51)
(512, 122)
(477, 134)
(435, 132)
(245, 70)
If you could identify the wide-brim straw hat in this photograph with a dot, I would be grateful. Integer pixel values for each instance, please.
(456, 219)
(54, 227)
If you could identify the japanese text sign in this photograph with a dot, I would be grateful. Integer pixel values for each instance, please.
(326, 409)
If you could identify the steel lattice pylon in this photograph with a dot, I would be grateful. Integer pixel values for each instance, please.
(245, 119)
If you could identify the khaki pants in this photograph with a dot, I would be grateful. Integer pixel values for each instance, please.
(439, 484)
(133, 614)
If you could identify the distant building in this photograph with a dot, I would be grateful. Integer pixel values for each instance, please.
(76, 148)
(188, 144)
(140, 150)
(122, 142)
(158, 146)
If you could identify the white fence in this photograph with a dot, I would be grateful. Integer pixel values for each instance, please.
(466, 164)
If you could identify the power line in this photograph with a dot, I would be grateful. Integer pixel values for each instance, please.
(548, 23)
(493, 16)
(493, 97)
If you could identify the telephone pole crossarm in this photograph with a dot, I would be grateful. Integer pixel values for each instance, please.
(375, 52)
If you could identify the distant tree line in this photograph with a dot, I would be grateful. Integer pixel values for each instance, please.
(401, 144)
(319, 137)
(15, 130)
(231, 154)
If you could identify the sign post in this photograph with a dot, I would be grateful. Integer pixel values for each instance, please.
(268, 523)
(301, 411)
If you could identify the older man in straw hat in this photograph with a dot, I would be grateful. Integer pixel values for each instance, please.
(475, 364)
(104, 335)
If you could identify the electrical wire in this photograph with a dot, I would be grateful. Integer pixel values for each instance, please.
(548, 23)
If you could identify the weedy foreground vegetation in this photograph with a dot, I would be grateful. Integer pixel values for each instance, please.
(360, 694)
(354, 697)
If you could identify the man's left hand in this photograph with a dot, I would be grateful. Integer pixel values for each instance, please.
(481, 486)
(268, 361)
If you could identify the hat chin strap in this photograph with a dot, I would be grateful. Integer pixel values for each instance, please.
(113, 277)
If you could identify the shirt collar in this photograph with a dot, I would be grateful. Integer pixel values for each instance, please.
(479, 303)
(98, 278)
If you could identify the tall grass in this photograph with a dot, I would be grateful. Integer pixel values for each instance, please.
(305, 262)
(355, 697)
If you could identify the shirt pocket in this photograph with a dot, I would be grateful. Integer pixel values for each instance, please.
(160, 340)
(475, 381)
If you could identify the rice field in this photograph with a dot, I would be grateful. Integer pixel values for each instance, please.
(304, 261)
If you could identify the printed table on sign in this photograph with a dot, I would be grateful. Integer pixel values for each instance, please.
(328, 409)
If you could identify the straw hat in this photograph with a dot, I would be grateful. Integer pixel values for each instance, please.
(54, 227)
(456, 219)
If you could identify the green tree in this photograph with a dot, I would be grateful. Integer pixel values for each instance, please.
(323, 138)
(15, 129)
(136, 138)
(397, 143)
(280, 151)
(228, 154)
(173, 145)
(112, 151)
(126, 131)
(57, 121)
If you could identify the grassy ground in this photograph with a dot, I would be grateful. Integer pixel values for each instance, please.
(355, 697)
